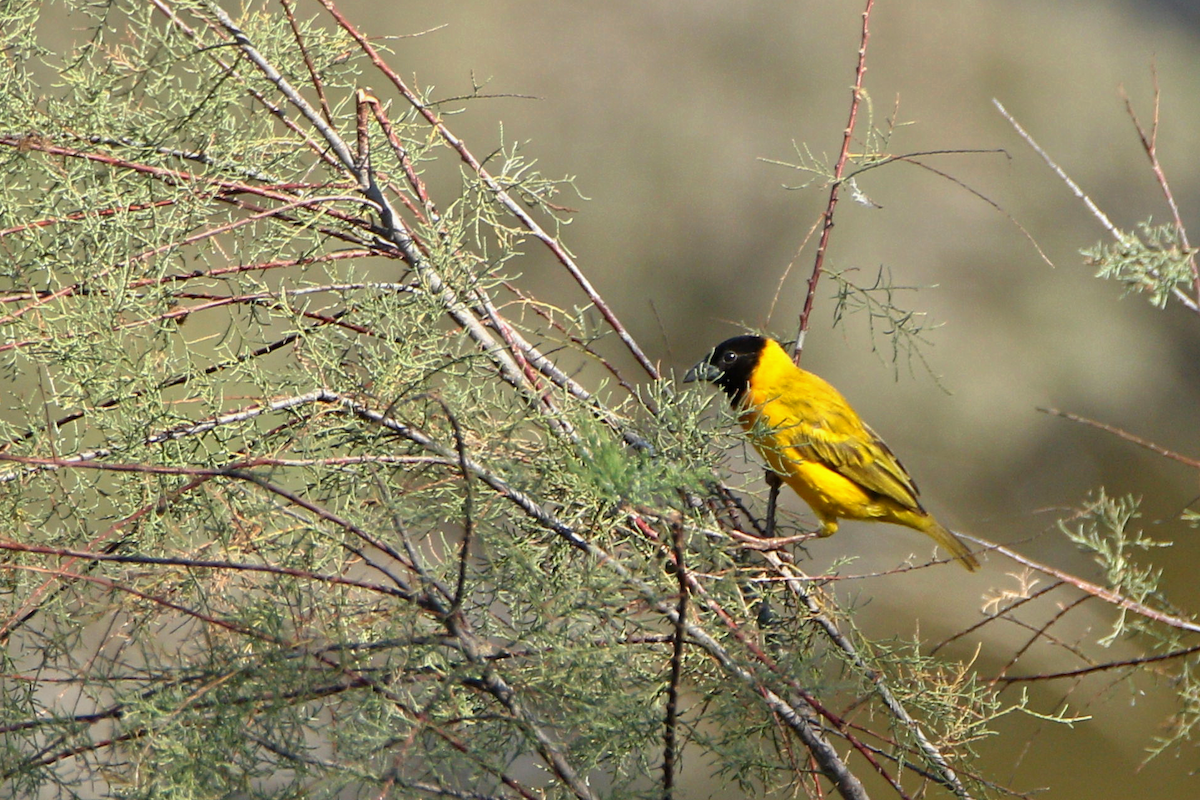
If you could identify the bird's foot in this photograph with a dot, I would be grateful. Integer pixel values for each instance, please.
(751, 542)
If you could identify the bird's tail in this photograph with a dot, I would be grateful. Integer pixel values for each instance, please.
(951, 544)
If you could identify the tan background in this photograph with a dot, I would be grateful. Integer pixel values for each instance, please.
(662, 110)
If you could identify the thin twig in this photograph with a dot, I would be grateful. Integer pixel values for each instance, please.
(194, 563)
(671, 724)
(1039, 633)
(82, 215)
(1129, 437)
(279, 113)
(797, 719)
(999, 614)
(798, 584)
(464, 552)
(1059, 171)
(397, 231)
(839, 168)
(812, 704)
(314, 78)
(788, 270)
(1150, 145)
(1191, 303)
(1020, 228)
(1107, 595)
(1077, 673)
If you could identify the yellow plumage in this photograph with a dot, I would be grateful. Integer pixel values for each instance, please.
(817, 444)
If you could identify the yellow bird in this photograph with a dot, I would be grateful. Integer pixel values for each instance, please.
(816, 443)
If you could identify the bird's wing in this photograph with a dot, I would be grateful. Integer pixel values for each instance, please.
(846, 445)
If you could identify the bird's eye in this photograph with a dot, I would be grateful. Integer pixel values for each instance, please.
(728, 357)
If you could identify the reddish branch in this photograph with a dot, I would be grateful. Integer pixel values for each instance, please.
(1150, 145)
(1129, 437)
(1107, 595)
(802, 722)
(353, 677)
(241, 471)
(1000, 614)
(313, 74)
(582, 345)
(213, 272)
(798, 584)
(1108, 665)
(839, 168)
(224, 190)
(671, 725)
(181, 313)
(213, 53)
(195, 563)
(80, 215)
(806, 719)
(1040, 632)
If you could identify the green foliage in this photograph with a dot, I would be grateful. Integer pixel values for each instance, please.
(671, 457)
(200, 308)
(1153, 261)
(820, 169)
(905, 331)
(957, 707)
(1102, 529)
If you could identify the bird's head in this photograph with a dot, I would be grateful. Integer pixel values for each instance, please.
(730, 365)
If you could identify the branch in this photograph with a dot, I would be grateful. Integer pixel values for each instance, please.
(795, 581)
(501, 194)
(1107, 595)
(1072, 185)
(671, 724)
(798, 719)
(1077, 673)
(396, 230)
(194, 563)
(1189, 302)
(1150, 145)
(1129, 437)
(839, 168)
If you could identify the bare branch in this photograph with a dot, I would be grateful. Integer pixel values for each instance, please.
(1129, 437)
(839, 168)
(1099, 592)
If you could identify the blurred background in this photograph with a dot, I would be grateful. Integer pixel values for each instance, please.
(664, 112)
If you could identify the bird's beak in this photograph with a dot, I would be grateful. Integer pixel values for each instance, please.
(703, 371)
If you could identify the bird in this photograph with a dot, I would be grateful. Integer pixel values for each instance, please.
(816, 443)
